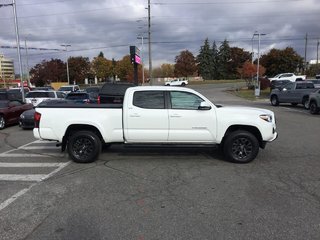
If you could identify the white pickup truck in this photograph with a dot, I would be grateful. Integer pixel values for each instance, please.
(288, 76)
(155, 115)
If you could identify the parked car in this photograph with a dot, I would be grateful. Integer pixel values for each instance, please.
(10, 111)
(69, 88)
(26, 119)
(314, 102)
(278, 83)
(316, 82)
(113, 92)
(93, 92)
(46, 88)
(36, 97)
(80, 97)
(16, 94)
(293, 92)
(288, 76)
(176, 82)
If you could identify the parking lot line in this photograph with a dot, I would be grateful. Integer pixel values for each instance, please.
(24, 155)
(24, 164)
(23, 177)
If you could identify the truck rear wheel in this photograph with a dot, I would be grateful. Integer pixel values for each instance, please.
(84, 146)
(241, 147)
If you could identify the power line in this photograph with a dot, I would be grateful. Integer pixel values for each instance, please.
(224, 2)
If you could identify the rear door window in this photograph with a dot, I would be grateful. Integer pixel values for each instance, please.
(149, 99)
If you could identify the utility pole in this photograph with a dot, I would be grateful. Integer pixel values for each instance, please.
(142, 61)
(149, 43)
(27, 61)
(66, 46)
(257, 90)
(318, 52)
(305, 54)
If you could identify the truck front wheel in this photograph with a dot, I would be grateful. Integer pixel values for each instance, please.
(84, 146)
(241, 147)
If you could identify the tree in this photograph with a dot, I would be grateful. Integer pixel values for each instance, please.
(48, 71)
(215, 61)
(101, 67)
(238, 56)
(79, 68)
(124, 69)
(186, 64)
(165, 70)
(249, 70)
(204, 60)
(224, 59)
(280, 61)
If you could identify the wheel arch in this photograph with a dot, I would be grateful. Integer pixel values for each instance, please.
(252, 129)
(79, 127)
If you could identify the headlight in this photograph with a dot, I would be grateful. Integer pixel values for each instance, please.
(266, 117)
(22, 116)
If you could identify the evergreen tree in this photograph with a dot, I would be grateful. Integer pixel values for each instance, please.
(214, 61)
(204, 60)
(224, 57)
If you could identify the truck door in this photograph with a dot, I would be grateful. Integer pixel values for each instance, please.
(186, 122)
(146, 117)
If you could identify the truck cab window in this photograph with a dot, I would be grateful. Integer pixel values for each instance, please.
(149, 99)
(185, 100)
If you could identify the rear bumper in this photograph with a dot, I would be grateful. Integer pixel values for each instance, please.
(36, 133)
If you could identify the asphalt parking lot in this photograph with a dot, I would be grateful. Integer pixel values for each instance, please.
(166, 192)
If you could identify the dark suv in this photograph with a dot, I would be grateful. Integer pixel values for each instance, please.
(113, 92)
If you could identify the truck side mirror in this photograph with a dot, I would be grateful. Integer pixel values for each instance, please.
(204, 106)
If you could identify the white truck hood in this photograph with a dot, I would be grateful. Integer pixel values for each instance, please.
(243, 111)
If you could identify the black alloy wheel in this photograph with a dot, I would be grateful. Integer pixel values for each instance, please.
(84, 146)
(241, 147)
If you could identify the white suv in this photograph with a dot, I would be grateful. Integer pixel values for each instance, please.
(69, 88)
(36, 97)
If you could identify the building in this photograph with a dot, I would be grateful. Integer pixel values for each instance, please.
(6, 69)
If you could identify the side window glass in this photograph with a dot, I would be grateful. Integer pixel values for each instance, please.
(149, 99)
(289, 86)
(185, 100)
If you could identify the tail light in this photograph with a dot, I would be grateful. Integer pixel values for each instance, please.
(37, 117)
(99, 100)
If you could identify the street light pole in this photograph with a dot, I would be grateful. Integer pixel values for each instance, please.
(142, 60)
(257, 90)
(18, 47)
(66, 46)
(149, 43)
(27, 61)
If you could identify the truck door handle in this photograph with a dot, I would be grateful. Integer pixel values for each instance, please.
(134, 115)
(175, 116)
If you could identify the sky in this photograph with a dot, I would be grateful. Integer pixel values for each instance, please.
(111, 26)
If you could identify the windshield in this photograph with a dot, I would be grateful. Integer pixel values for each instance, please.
(3, 104)
(40, 95)
(65, 89)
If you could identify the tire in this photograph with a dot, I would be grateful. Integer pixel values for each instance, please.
(2, 122)
(305, 102)
(183, 84)
(241, 147)
(84, 146)
(274, 100)
(314, 108)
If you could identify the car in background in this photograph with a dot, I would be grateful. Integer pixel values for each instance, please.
(69, 88)
(16, 93)
(46, 88)
(288, 76)
(36, 97)
(80, 97)
(113, 92)
(93, 92)
(278, 83)
(176, 82)
(26, 119)
(10, 111)
(314, 102)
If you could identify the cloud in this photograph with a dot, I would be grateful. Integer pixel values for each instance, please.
(112, 26)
